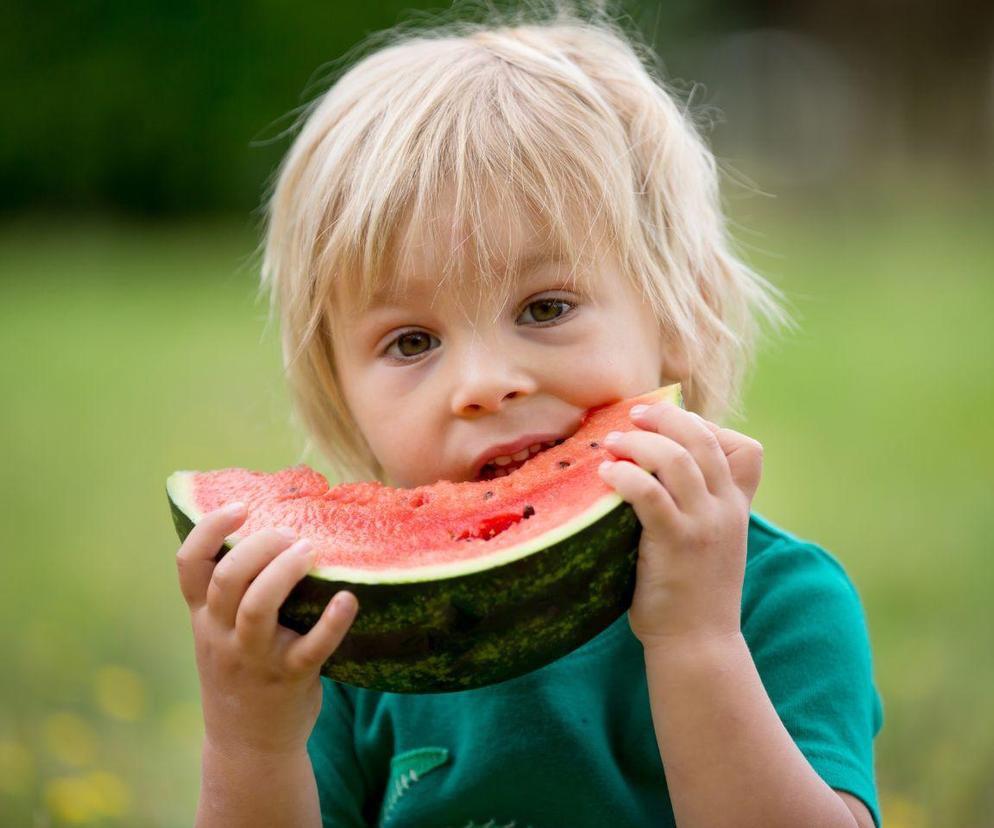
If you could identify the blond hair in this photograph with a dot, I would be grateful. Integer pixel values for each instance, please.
(557, 113)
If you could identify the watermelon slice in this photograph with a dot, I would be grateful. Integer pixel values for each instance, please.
(460, 585)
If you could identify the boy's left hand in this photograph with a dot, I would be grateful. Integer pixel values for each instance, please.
(692, 495)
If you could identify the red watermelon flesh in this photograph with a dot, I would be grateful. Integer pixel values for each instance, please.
(410, 534)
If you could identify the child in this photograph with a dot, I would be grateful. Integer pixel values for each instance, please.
(478, 234)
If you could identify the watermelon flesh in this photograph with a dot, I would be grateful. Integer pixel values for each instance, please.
(460, 585)
(372, 532)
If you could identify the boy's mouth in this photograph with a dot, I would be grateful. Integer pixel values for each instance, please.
(503, 464)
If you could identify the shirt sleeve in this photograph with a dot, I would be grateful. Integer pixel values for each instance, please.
(807, 633)
(342, 789)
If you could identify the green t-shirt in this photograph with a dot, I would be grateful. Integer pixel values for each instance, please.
(573, 742)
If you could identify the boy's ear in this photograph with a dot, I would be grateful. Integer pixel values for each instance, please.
(675, 366)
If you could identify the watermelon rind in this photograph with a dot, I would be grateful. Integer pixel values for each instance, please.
(475, 622)
(481, 627)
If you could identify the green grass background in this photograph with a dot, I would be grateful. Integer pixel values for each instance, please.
(132, 350)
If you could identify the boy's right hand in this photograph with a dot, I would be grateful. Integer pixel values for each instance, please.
(259, 681)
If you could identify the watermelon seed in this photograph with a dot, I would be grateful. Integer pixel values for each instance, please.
(594, 445)
(529, 511)
(487, 495)
(564, 464)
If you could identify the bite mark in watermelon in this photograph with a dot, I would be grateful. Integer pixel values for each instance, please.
(460, 585)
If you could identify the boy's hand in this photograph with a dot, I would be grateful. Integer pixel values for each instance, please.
(692, 495)
(259, 681)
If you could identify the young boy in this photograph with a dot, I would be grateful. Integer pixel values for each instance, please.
(478, 234)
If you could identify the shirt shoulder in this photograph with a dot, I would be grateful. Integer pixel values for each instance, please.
(791, 579)
(806, 629)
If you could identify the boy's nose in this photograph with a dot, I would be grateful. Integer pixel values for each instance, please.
(486, 381)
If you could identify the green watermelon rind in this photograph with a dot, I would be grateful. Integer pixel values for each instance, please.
(478, 628)
(476, 622)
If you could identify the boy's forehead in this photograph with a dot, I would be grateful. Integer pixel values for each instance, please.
(423, 275)
(479, 250)
(502, 252)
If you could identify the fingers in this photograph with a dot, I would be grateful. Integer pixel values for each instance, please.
(238, 569)
(744, 455)
(654, 506)
(745, 459)
(700, 443)
(195, 558)
(310, 651)
(674, 466)
(256, 615)
(692, 461)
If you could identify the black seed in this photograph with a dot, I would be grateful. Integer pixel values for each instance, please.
(529, 511)
(294, 489)
(563, 464)
(487, 495)
(594, 445)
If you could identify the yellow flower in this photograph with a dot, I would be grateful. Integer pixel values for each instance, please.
(71, 800)
(86, 798)
(120, 693)
(113, 795)
(70, 739)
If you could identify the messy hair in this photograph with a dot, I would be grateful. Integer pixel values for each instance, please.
(556, 114)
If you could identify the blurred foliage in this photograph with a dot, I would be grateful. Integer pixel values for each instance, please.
(134, 350)
(183, 107)
(177, 107)
(152, 106)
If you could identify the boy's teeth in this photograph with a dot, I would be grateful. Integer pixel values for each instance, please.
(499, 464)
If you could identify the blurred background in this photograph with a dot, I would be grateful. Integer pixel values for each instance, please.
(858, 142)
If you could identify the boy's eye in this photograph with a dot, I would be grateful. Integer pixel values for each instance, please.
(411, 344)
(545, 310)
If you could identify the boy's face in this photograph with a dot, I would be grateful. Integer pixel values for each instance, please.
(441, 382)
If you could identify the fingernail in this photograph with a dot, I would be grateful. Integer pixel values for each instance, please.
(638, 409)
(286, 532)
(343, 602)
(301, 547)
(612, 437)
(233, 509)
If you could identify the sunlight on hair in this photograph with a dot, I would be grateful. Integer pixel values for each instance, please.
(556, 118)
